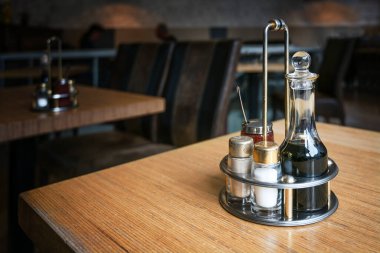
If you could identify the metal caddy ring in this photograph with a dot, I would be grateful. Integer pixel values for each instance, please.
(297, 218)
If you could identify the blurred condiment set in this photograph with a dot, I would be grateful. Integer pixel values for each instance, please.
(54, 95)
(286, 185)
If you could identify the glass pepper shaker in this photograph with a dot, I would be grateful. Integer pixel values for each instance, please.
(302, 152)
(239, 162)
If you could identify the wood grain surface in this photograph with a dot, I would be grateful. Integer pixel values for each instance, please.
(35, 72)
(169, 203)
(257, 67)
(17, 120)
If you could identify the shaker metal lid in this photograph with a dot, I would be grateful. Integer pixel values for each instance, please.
(240, 146)
(266, 152)
(256, 127)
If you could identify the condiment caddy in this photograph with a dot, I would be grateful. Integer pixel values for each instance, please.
(287, 184)
(56, 96)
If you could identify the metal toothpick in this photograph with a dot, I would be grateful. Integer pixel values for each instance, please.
(241, 102)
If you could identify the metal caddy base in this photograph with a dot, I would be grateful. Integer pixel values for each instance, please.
(246, 212)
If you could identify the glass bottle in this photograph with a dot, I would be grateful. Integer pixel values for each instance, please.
(302, 152)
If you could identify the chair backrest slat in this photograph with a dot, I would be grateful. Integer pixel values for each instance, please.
(141, 68)
(336, 59)
(197, 91)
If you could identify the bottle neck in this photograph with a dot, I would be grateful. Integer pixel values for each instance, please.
(302, 117)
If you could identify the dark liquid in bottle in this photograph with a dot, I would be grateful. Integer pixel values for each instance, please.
(306, 159)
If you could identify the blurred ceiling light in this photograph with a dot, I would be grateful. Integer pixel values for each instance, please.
(120, 15)
(330, 13)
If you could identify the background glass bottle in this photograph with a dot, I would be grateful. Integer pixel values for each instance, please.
(302, 152)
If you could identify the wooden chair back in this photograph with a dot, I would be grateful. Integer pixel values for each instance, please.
(141, 68)
(197, 91)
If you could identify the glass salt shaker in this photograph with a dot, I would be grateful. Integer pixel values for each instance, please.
(267, 168)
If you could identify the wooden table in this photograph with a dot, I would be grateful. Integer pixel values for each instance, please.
(17, 120)
(35, 72)
(169, 202)
(257, 67)
(19, 125)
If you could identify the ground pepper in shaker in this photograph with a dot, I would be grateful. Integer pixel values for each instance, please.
(239, 162)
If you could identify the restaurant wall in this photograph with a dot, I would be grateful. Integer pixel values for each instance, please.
(311, 21)
(195, 13)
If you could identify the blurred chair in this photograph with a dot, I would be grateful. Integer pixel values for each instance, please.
(197, 91)
(138, 67)
(141, 68)
(366, 64)
(337, 56)
(197, 85)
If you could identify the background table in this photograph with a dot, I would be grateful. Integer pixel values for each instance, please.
(35, 72)
(169, 202)
(19, 125)
(17, 120)
(257, 67)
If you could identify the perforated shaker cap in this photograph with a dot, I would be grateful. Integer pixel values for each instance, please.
(240, 146)
(266, 152)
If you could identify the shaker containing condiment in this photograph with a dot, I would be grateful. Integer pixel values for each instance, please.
(42, 91)
(239, 162)
(61, 94)
(302, 152)
(41, 98)
(267, 168)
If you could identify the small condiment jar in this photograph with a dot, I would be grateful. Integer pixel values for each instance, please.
(254, 129)
(61, 94)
